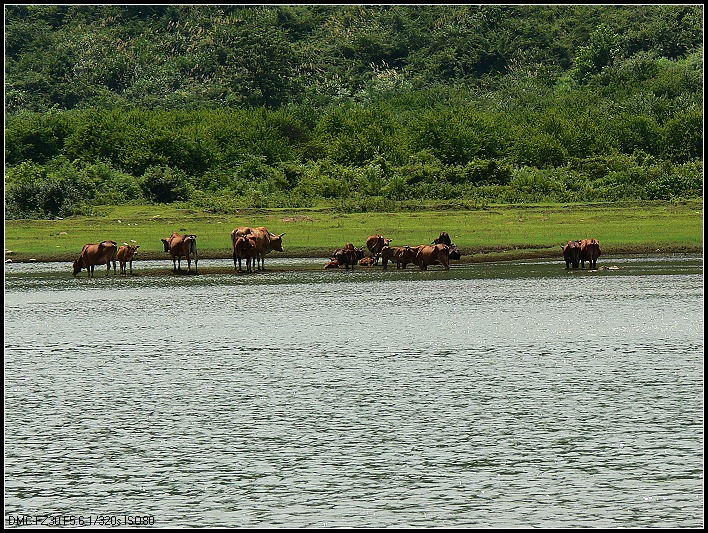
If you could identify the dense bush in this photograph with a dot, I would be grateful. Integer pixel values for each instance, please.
(357, 107)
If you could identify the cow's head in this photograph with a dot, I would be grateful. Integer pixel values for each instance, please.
(78, 265)
(167, 244)
(276, 243)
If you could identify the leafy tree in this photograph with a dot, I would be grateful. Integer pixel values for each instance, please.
(600, 52)
(163, 184)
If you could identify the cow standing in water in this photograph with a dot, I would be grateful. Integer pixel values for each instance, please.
(589, 251)
(375, 244)
(179, 246)
(571, 254)
(433, 255)
(97, 254)
(126, 254)
(266, 242)
(444, 238)
(244, 248)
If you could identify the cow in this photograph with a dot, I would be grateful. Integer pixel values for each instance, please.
(375, 243)
(433, 255)
(333, 263)
(405, 255)
(455, 252)
(126, 254)
(266, 242)
(367, 261)
(401, 255)
(245, 248)
(349, 255)
(97, 254)
(387, 254)
(179, 246)
(444, 238)
(589, 251)
(571, 254)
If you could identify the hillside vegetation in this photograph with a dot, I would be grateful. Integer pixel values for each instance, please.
(355, 108)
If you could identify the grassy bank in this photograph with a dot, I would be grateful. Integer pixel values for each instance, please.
(492, 233)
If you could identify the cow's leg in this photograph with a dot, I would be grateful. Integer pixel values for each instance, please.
(196, 261)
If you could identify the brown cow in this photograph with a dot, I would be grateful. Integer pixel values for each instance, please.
(266, 242)
(179, 246)
(126, 254)
(333, 263)
(401, 255)
(97, 254)
(387, 254)
(433, 255)
(589, 251)
(245, 248)
(367, 261)
(571, 254)
(375, 244)
(444, 238)
(405, 255)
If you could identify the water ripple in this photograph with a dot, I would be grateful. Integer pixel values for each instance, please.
(475, 401)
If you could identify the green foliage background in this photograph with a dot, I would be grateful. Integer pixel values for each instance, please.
(360, 108)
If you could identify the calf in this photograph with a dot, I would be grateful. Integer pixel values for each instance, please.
(245, 248)
(126, 254)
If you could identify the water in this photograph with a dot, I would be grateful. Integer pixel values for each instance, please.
(492, 395)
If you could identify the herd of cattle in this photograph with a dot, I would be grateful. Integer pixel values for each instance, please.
(251, 245)
(439, 252)
(577, 252)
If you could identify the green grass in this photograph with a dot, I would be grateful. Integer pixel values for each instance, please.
(495, 232)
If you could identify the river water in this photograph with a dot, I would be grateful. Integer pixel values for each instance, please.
(497, 395)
